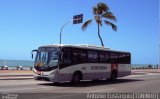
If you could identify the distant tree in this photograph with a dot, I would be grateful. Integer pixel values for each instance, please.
(100, 12)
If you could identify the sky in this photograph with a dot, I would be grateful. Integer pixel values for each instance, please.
(27, 24)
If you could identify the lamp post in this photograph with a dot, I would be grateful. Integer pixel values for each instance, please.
(62, 30)
(159, 58)
(76, 20)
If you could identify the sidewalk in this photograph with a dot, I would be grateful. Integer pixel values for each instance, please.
(16, 74)
(144, 71)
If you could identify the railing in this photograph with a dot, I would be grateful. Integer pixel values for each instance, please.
(16, 67)
(146, 67)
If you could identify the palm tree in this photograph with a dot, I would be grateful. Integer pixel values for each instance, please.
(100, 12)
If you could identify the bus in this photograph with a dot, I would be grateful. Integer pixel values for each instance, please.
(60, 63)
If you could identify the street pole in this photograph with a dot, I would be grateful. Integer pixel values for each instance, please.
(76, 20)
(159, 57)
(62, 30)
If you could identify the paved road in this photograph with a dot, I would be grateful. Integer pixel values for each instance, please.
(148, 83)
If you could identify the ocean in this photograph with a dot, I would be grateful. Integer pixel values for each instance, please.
(16, 63)
(143, 65)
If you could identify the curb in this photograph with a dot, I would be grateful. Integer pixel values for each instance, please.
(15, 75)
(138, 73)
(15, 78)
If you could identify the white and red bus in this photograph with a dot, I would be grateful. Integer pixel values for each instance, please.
(59, 63)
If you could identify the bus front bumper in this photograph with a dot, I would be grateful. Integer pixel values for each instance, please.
(51, 78)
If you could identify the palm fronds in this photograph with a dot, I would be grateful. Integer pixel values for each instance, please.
(85, 25)
(95, 10)
(102, 7)
(114, 27)
(109, 15)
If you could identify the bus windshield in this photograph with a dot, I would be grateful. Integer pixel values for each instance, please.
(47, 59)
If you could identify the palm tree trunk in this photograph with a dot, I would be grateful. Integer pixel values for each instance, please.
(99, 35)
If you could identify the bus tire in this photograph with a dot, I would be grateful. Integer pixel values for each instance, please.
(55, 83)
(113, 75)
(77, 76)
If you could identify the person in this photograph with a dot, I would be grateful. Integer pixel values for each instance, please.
(150, 66)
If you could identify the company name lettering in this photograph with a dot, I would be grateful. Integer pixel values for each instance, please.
(98, 67)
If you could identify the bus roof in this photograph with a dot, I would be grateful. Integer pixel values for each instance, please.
(83, 46)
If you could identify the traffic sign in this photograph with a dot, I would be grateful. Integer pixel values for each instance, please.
(78, 19)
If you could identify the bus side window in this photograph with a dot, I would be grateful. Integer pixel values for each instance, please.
(78, 56)
(92, 56)
(66, 59)
(83, 56)
(128, 60)
(122, 58)
(104, 57)
(113, 58)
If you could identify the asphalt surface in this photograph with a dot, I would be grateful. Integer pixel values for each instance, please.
(133, 85)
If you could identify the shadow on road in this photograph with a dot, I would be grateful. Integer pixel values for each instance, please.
(90, 83)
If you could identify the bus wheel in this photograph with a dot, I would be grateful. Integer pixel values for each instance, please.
(113, 75)
(76, 78)
(55, 83)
